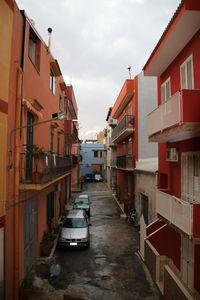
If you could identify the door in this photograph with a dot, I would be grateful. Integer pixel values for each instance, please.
(190, 169)
(30, 234)
(187, 261)
(29, 144)
(96, 168)
(50, 209)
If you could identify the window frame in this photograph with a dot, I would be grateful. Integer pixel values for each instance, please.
(34, 49)
(184, 65)
(190, 189)
(52, 82)
(164, 85)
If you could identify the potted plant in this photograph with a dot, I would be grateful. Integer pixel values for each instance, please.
(47, 242)
(37, 153)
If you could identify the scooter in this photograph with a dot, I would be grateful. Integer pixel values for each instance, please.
(132, 217)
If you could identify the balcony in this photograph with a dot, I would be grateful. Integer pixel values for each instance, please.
(177, 119)
(110, 143)
(39, 174)
(123, 129)
(126, 162)
(124, 97)
(181, 214)
(71, 132)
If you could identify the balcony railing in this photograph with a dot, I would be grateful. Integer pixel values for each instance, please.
(178, 212)
(126, 162)
(71, 131)
(123, 129)
(182, 107)
(44, 169)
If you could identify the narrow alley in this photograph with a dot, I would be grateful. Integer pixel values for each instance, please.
(111, 268)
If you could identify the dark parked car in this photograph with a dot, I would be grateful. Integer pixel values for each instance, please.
(89, 177)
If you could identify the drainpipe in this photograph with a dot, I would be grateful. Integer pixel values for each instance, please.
(18, 122)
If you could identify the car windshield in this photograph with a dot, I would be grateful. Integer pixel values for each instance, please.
(81, 201)
(75, 223)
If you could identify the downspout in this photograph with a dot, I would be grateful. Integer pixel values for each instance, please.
(16, 185)
(18, 122)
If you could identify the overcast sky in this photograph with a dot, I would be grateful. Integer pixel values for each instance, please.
(94, 42)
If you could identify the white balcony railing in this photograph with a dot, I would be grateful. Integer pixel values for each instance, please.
(175, 210)
(166, 115)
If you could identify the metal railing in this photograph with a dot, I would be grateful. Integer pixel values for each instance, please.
(175, 210)
(126, 123)
(43, 169)
(126, 162)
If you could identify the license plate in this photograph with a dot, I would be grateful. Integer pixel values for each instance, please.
(73, 244)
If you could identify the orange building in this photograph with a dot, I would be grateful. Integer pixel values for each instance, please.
(6, 22)
(39, 148)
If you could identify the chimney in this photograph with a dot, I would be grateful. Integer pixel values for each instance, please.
(49, 41)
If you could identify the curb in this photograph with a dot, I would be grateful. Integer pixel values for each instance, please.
(120, 206)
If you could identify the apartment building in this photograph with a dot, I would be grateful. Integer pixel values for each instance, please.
(6, 17)
(37, 111)
(172, 246)
(133, 151)
(92, 158)
(111, 152)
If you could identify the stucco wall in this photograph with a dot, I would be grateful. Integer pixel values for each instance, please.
(147, 101)
(87, 152)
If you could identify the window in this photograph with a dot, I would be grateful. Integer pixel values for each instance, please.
(60, 103)
(190, 169)
(186, 70)
(58, 144)
(52, 82)
(34, 49)
(166, 90)
(95, 153)
(130, 112)
(51, 140)
(128, 184)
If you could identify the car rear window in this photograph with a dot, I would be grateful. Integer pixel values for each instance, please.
(81, 201)
(74, 223)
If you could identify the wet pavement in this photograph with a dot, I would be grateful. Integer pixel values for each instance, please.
(111, 268)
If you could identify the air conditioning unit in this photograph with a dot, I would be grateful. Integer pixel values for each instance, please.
(171, 154)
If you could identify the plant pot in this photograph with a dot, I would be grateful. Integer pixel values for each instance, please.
(24, 293)
(45, 248)
(36, 177)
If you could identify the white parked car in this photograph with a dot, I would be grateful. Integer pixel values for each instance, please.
(98, 177)
(75, 229)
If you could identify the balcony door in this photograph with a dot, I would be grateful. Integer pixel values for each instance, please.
(187, 261)
(190, 169)
(29, 144)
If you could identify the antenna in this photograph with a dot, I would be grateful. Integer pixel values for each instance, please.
(129, 71)
(49, 41)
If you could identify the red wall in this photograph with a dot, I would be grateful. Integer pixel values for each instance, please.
(173, 169)
(168, 242)
(174, 69)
